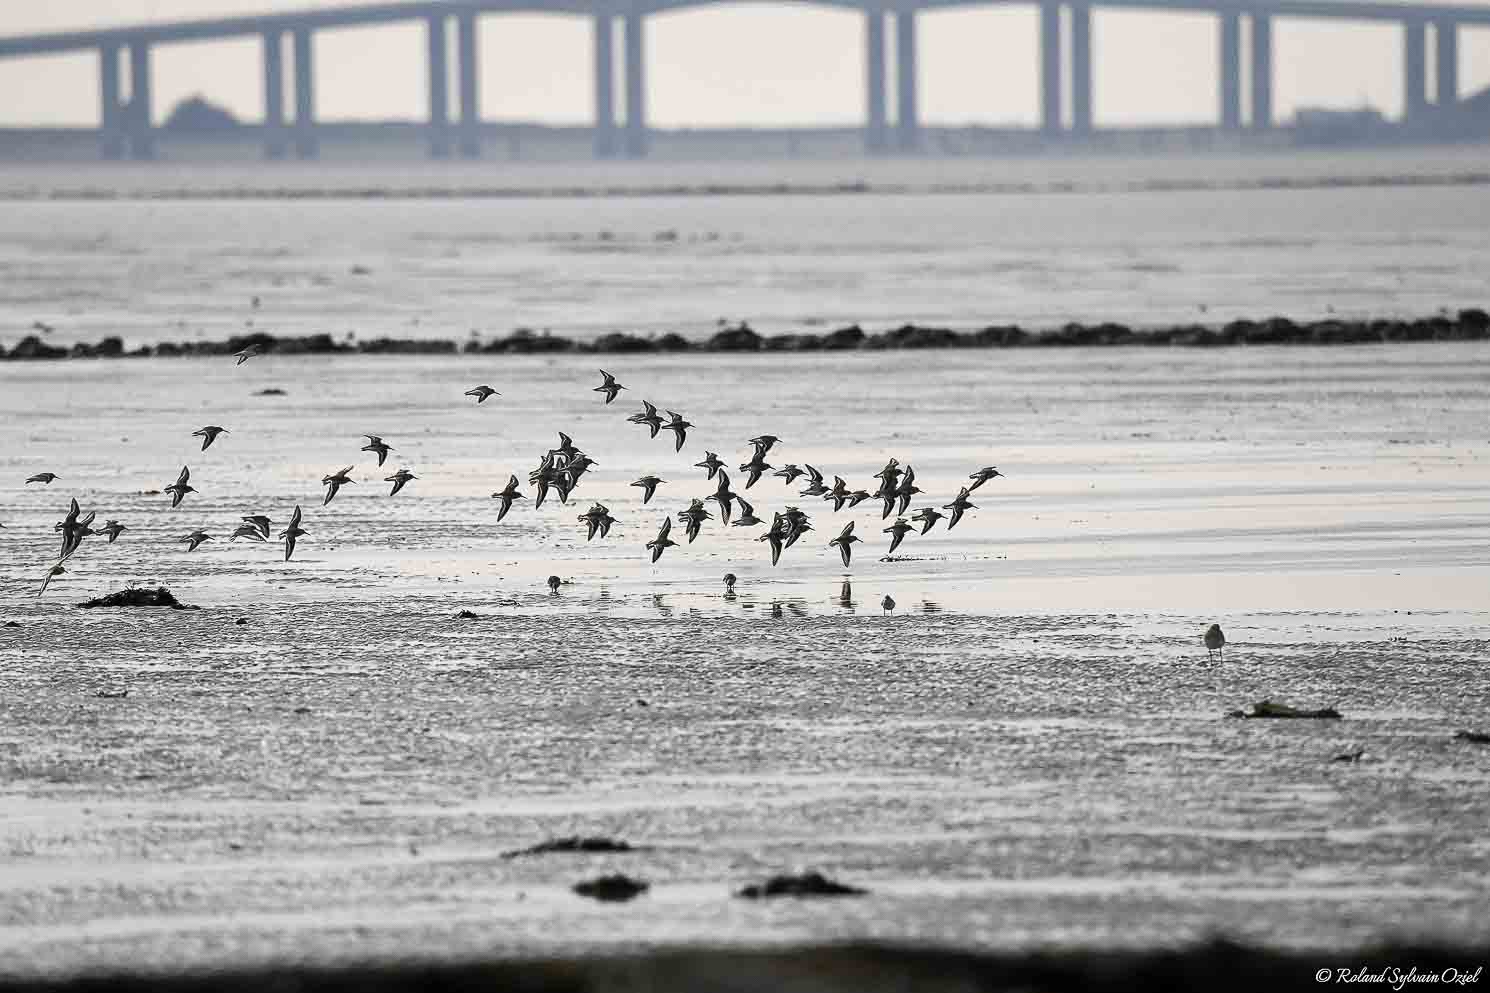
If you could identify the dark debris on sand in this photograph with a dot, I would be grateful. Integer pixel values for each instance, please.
(573, 843)
(1267, 708)
(468, 615)
(806, 884)
(138, 596)
(1467, 325)
(1473, 737)
(615, 888)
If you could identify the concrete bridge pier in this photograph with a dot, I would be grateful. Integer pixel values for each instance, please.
(274, 95)
(605, 87)
(876, 132)
(306, 144)
(470, 98)
(1414, 68)
(141, 129)
(636, 87)
(439, 87)
(1050, 68)
(111, 114)
(1262, 72)
(1446, 35)
(1081, 68)
(1230, 68)
(907, 115)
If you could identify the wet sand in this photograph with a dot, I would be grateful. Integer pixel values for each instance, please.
(1031, 752)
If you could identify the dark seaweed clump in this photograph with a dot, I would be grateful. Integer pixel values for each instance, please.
(1473, 737)
(573, 843)
(616, 888)
(806, 884)
(1267, 708)
(1472, 324)
(137, 596)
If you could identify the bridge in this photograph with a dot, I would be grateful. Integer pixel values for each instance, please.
(126, 127)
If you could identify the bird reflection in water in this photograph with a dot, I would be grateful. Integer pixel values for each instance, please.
(663, 607)
(846, 596)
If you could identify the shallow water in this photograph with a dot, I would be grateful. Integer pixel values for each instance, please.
(1031, 750)
(1080, 239)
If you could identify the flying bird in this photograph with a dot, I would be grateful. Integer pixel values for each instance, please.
(649, 486)
(292, 532)
(334, 483)
(899, 529)
(376, 444)
(764, 442)
(789, 473)
(906, 490)
(662, 542)
(113, 529)
(679, 427)
(181, 487)
(710, 462)
(482, 393)
(747, 516)
(42, 477)
(247, 352)
(927, 516)
(982, 476)
(209, 434)
(958, 506)
(46, 580)
(398, 479)
(507, 496)
(610, 387)
(249, 531)
(845, 542)
(260, 522)
(649, 417)
(196, 538)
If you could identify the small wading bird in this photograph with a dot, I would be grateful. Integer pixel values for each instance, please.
(507, 496)
(46, 580)
(679, 427)
(982, 476)
(747, 516)
(334, 483)
(649, 486)
(888, 604)
(181, 487)
(845, 541)
(755, 467)
(246, 353)
(789, 473)
(113, 529)
(481, 393)
(292, 532)
(927, 516)
(209, 434)
(906, 490)
(398, 479)
(957, 506)
(196, 538)
(554, 583)
(597, 521)
(1215, 642)
(376, 444)
(763, 443)
(711, 462)
(610, 387)
(649, 417)
(247, 530)
(260, 522)
(693, 518)
(729, 582)
(45, 478)
(899, 529)
(662, 542)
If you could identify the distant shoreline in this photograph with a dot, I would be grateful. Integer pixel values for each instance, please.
(1467, 325)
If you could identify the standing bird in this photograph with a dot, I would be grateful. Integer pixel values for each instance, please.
(335, 482)
(662, 542)
(649, 486)
(610, 387)
(507, 496)
(398, 479)
(710, 462)
(554, 582)
(42, 477)
(729, 582)
(196, 538)
(899, 529)
(957, 507)
(482, 393)
(181, 487)
(888, 604)
(292, 532)
(649, 417)
(845, 541)
(1215, 642)
(679, 427)
(376, 444)
(247, 352)
(209, 434)
(982, 476)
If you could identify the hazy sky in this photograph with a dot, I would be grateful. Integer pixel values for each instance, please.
(752, 63)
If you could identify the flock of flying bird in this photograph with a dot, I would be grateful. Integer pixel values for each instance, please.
(560, 471)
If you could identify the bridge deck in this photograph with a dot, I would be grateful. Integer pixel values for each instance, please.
(408, 10)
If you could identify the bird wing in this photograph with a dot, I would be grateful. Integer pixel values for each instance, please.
(185, 475)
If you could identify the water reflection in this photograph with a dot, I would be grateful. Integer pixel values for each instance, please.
(930, 607)
(846, 596)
